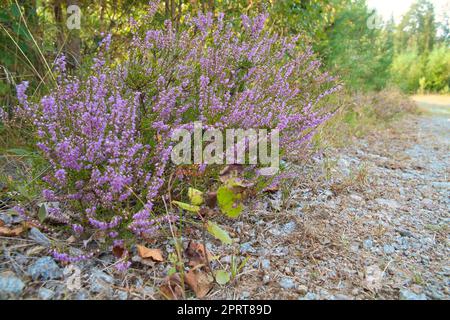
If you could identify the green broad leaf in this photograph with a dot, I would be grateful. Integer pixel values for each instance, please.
(222, 277)
(171, 271)
(42, 213)
(187, 206)
(195, 196)
(218, 233)
(228, 202)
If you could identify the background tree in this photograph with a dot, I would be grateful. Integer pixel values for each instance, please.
(417, 29)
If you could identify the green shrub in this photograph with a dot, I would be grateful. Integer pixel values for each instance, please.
(406, 71)
(437, 75)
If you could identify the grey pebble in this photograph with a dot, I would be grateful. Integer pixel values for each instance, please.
(45, 268)
(45, 294)
(149, 290)
(247, 248)
(6, 218)
(39, 237)
(288, 228)
(101, 282)
(287, 283)
(409, 295)
(10, 286)
(367, 244)
(388, 249)
(122, 295)
(265, 263)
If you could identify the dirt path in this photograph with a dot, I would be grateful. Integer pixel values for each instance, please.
(378, 229)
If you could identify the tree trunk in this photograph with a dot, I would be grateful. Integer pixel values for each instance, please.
(58, 14)
(73, 46)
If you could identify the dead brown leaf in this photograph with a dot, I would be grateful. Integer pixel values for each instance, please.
(272, 188)
(206, 212)
(118, 251)
(154, 254)
(230, 171)
(71, 239)
(172, 289)
(196, 254)
(11, 232)
(199, 281)
(211, 199)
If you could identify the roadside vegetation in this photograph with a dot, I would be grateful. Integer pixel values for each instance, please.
(86, 117)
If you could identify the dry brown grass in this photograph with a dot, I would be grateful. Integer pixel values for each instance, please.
(362, 113)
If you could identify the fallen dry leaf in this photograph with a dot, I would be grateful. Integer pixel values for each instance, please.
(272, 188)
(211, 199)
(230, 171)
(154, 254)
(199, 281)
(172, 289)
(196, 254)
(147, 262)
(206, 212)
(118, 251)
(71, 239)
(11, 232)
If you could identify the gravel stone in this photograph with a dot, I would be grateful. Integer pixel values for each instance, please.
(288, 228)
(368, 244)
(101, 282)
(409, 295)
(45, 268)
(39, 237)
(45, 294)
(388, 249)
(265, 263)
(10, 285)
(287, 283)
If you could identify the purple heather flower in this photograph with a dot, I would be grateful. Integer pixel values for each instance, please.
(122, 266)
(60, 63)
(49, 195)
(113, 234)
(108, 145)
(77, 228)
(61, 176)
(64, 257)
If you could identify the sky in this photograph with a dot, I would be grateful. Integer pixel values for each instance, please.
(399, 7)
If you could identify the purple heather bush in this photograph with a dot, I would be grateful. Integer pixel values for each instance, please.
(107, 135)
